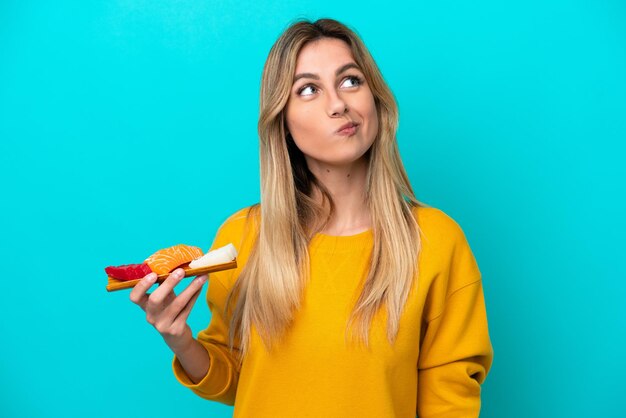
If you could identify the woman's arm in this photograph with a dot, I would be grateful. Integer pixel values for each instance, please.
(455, 350)
(220, 379)
(168, 314)
(195, 360)
(455, 357)
(207, 366)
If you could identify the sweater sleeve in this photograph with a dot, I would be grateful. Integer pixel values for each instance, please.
(220, 382)
(456, 352)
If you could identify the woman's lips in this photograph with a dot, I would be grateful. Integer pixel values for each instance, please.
(349, 130)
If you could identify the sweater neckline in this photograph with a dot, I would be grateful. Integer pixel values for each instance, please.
(345, 242)
(357, 235)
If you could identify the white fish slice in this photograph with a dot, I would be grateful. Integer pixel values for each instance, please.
(217, 256)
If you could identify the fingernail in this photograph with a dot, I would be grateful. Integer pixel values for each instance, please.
(201, 279)
(150, 278)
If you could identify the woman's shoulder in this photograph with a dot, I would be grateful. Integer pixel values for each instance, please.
(434, 222)
(243, 216)
(447, 247)
(237, 226)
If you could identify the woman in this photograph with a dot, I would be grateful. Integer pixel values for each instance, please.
(351, 298)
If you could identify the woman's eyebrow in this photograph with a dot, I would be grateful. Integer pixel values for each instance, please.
(316, 77)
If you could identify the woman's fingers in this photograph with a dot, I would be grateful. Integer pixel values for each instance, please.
(163, 306)
(182, 301)
(181, 320)
(159, 296)
(139, 294)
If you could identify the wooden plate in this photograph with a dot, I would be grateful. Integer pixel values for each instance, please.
(115, 284)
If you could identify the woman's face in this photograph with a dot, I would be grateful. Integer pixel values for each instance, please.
(330, 92)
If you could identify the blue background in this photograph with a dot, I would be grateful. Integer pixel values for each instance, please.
(129, 126)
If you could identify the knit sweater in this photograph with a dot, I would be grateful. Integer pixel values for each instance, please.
(440, 358)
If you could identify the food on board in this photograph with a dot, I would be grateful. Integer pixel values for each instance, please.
(218, 256)
(167, 259)
(128, 271)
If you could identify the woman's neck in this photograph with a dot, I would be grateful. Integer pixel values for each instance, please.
(346, 185)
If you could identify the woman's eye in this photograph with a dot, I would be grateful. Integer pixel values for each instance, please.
(307, 90)
(351, 81)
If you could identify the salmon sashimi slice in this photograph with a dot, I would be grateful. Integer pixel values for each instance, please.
(167, 259)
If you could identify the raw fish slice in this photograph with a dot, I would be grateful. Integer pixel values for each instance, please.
(128, 271)
(219, 255)
(167, 259)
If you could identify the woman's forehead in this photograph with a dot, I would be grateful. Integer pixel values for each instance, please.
(322, 55)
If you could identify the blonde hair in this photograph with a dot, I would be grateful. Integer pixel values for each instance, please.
(270, 286)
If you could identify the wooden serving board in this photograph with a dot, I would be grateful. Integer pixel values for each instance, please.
(115, 284)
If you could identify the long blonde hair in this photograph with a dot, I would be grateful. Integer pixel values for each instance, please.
(270, 286)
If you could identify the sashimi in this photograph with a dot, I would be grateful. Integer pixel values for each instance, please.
(167, 259)
(218, 256)
(128, 271)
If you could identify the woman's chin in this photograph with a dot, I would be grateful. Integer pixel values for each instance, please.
(337, 163)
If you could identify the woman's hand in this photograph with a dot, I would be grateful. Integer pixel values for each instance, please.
(166, 311)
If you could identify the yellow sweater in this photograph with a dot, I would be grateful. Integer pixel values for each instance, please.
(441, 356)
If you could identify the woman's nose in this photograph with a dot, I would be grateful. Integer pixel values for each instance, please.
(336, 105)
